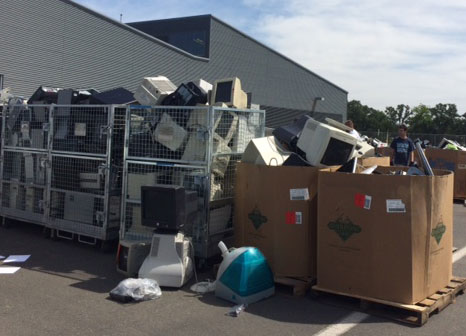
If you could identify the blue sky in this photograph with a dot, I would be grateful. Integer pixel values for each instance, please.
(383, 52)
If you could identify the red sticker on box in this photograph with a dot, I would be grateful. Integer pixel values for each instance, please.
(359, 200)
(362, 201)
(294, 217)
(290, 217)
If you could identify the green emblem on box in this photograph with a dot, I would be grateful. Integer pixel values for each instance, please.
(438, 231)
(344, 227)
(256, 218)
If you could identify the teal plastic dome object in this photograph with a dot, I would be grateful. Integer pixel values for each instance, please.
(248, 274)
(244, 276)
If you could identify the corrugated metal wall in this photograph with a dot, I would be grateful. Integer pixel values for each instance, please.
(273, 80)
(56, 43)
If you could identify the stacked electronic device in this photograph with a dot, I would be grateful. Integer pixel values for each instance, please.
(308, 142)
(62, 161)
(176, 139)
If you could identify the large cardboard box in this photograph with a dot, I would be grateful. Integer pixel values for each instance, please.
(385, 236)
(275, 211)
(385, 151)
(450, 160)
(381, 161)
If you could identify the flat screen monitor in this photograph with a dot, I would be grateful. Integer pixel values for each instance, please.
(325, 145)
(167, 207)
(228, 91)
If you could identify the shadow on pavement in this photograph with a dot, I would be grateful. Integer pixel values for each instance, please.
(92, 269)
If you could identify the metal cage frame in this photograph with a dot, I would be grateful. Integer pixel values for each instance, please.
(18, 140)
(220, 151)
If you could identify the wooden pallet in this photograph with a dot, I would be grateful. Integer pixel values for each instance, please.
(298, 286)
(417, 314)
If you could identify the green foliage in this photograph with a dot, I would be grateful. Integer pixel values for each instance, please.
(399, 115)
(440, 119)
(367, 118)
(422, 121)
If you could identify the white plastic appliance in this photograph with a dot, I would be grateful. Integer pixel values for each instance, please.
(169, 261)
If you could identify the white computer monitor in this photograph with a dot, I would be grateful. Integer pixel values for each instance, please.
(265, 151)
(363, 149)
(228, 91)
(324, 145)
(153, 90)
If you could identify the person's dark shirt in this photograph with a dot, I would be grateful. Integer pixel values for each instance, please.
(403, 149)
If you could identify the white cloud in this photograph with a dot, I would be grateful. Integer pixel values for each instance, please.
(384, 53)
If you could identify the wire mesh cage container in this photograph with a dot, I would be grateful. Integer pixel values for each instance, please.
(69, 177)
(190, 134)
(26, 126)
(23, 185)
(194, 147)
(83, 130)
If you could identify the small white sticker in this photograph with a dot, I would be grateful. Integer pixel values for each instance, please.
(367, 202)
(299, 194)
(299, 218)
(395, 206)
(461, 166)
(80, 129)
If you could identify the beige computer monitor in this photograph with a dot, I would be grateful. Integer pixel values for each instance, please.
(228, 91)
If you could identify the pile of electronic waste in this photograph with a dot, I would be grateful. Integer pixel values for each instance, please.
(152, 91)
(308, 142)
(451, 144)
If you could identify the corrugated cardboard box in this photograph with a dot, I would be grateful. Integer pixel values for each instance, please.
(385, 237)
(450, 160)
(385, 151)
(275, 211)
(381, 161)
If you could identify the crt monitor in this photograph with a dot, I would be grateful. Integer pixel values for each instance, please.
(228, 91)
(167, 207)
(325, 145)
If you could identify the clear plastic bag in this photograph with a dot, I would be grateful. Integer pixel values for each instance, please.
(136, 290)
(203, 287)
(236, 310)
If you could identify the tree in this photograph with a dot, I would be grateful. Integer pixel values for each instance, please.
(366, 118)
(399, 115)
(440, 119)
(445, 117)
(421, 120)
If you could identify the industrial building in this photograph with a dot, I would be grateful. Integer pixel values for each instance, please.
(60, 43)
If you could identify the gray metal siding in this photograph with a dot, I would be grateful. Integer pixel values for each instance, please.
(55, 43)
(279, 116)
(274, 80)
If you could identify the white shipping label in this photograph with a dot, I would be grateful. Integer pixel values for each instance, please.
(367, 202)
(461, 166)
(299, 194)
(395, 206)
(299, 218)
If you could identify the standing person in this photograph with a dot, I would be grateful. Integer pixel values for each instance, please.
(403, 148)
(353, 132)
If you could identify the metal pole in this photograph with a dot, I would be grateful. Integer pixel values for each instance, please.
(422, 156)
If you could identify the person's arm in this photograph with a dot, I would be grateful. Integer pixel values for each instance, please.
(392, 152)
(411, 155)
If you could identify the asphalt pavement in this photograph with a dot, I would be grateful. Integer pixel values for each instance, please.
(62, 289)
